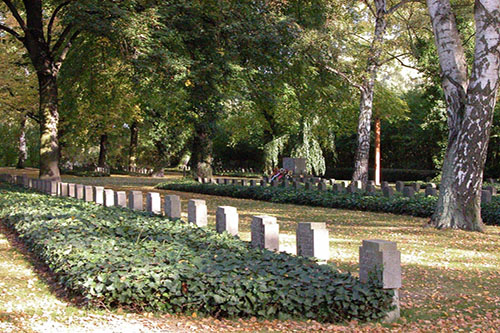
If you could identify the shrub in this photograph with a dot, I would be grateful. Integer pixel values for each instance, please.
(116, 256)
(390, 175)
(419, 205)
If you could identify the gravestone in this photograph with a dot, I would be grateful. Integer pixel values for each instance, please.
(88, 193)
(63, 189)
(26, 181)
(265, 233)
(121, 199)
(234, 181)
(332, 181)
(492, 189)
(358, 184)
(296, 165)
(416, 187)
(338, 188)
(53, 188)
(486, 196)
(173, 207)
(371, 182)
(351, 188)
(153, 202)
(312, 240)
(409, 191)
(72, 190)
(385, 184)
(263, 183)
(243, 182)
(197, 212)
(388, 191)
(322, 186)
(227, 181)
(370, 188)
(253, 182)
(429, 191)
(99, 195)
(399, 186)
(135, 200)
(226, 219)
(109, 198)
(382, 258)
(220, 181)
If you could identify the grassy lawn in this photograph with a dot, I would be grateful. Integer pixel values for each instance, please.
(451, 279)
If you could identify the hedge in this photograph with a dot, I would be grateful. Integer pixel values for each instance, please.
(118, 257)
(390, 175)
(419, 206)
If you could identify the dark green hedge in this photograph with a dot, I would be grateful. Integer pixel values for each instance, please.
(390, 175)
(419, 206)
(115, 256)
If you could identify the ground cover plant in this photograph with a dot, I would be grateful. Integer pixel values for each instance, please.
(118, 257)
(419, 206)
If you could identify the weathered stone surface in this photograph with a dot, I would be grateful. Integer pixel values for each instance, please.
(253, 182)
(370, 188)
(263, 183)
(351, 188)
(109, 198)
(429, 191)
(197, 212)
(227, 181)
(265, 233)
(220, 181)
(358, 184)
(72, 190)
(322, 186)
(399, 186)
(226, 219)
(492, 190)
(153, 202)
(234, 181)
(63, 189)
(121, 199)
(383, 259)
(88, 193)
(296, 165)
(313, 241)
(388, 191)
(486, 196)
(26, 181)
(338, 188)
(173, 207)
(409, 191)
(99, 195)
(243, 182)
(53, 188)
(135, 200)
(416, 187)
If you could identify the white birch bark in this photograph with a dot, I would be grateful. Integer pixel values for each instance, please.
(470, 105)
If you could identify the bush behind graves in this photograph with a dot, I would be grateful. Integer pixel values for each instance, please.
(419, 206)
(118, 257)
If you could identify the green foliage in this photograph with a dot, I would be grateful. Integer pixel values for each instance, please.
(390, 175)
(419, 206)
(117, 257)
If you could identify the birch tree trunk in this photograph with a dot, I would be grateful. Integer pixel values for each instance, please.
(367, 90)
(23, 152)
(470, 105)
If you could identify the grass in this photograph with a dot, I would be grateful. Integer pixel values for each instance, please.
(451, 279)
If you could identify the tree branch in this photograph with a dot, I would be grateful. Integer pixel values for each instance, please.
(52, 19)
(345, 77)
(380, 63)
(16, 15)
(399, 5)
(370, 8)
(65, 50)
(12, 32)
(62, 38)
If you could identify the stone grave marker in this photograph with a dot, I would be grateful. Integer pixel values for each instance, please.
(226, 219)
(121, 199)
(312, 240)
(265, 233)
(197, 212)
(135, 200)
(109, 198)
(173, 207)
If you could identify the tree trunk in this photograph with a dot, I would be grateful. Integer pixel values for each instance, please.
(103, 150)
(134, 135)
(364, 128)
(23, 153)
(377, 151)
(49, 120)
(366, 100)
(470, 111)
(203, 151)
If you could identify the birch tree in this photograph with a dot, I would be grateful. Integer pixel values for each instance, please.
(470, 102)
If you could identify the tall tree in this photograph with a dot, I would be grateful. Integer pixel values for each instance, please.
(47, 57)
(470, 103)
